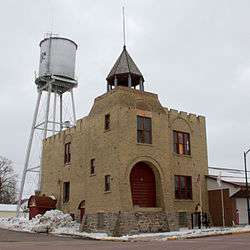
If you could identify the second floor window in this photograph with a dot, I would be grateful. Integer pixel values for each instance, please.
(183, 187)
(67, 153)
(66, 190)
(107, 122)
(107, 185)
(144, 130)
(182, 143)
(92, 166)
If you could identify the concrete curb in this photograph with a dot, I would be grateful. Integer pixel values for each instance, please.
(147, 239)
(204, 236)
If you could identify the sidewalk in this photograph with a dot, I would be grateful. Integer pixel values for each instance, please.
(57, 223)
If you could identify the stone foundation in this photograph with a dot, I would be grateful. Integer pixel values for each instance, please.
(117, 224)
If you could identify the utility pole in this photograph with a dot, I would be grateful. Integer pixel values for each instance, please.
(247, 195)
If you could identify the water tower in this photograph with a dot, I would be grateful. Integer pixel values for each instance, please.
(56, 77)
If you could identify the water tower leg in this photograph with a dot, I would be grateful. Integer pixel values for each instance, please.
(73, 106)
(47, 112)
(54, 113)
(61, 118)
(28, 150)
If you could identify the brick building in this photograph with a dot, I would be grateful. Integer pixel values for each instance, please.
(131, 165)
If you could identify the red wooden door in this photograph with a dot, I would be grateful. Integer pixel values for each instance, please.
(82, 212)
(142, 182)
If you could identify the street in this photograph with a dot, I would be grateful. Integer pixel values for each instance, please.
(10, 240)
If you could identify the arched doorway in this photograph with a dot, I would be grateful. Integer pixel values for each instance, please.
(143, 187)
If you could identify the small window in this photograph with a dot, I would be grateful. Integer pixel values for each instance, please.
(181, 143)
(92, 166)
(100, 220)
(67, 153)
(183, 187)
(107, 183)
(66, 190)
(183, 219)
(144, 130)
(107, 122)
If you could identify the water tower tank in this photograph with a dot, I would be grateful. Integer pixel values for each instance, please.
(57, 57)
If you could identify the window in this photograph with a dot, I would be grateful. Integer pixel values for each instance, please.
(66, 190)
(100, 220)
(183, 187)
(92, 166)
(67, 153)
(183, 221)
(144, 130)
(181, 143)
(107, 122)
(107, 183)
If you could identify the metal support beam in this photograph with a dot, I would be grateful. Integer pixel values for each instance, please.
(47, 112)
(54, 113)
(61, 118)
(73, 106)
(27, 157)
(50, 130)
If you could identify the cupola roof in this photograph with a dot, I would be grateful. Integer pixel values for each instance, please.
(124, 68)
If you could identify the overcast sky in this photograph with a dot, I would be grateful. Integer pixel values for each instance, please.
(194, 53)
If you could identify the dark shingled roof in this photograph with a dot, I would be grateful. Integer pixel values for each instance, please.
(125, 66)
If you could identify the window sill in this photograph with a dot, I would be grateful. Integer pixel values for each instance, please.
(182, 155)
(147, 209)
(67, 164)
(107, 192)
(144, 144)
(181, 200)
(91, 175)
(107, 130)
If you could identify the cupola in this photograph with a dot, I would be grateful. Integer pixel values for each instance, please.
(125, 73)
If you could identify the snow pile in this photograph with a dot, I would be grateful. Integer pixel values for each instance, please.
(19, 224)
(53, 221)
(48, 222)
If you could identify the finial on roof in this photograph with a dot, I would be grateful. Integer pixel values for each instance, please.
(125, 72)
(124, 26)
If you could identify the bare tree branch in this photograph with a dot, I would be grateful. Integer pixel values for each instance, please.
(8, 180)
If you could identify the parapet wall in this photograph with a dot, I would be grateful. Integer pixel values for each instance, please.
(173, 113)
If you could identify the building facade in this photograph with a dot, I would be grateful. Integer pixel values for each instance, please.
(234, 202)
(131, 165)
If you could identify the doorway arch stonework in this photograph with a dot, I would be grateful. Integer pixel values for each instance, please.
(158, 175)
(143, 186)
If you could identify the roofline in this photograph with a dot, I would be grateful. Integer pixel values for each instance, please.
(228, 182)
(57, 37)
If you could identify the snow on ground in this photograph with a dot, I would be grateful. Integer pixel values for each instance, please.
(53, 221)
(56, 222)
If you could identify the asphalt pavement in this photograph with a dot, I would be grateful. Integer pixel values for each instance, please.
(10, 240)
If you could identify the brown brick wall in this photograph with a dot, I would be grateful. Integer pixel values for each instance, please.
(116, 151)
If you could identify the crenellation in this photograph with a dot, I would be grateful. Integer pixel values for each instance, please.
(183, 114)
(173, 112)
(202, 119)
(192, 117)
